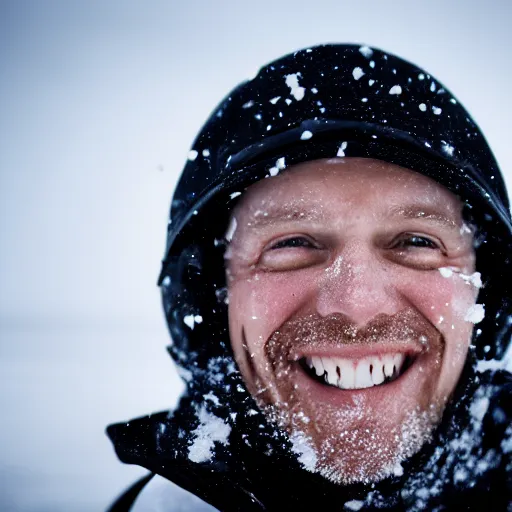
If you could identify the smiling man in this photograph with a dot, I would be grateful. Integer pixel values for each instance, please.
(337, 283)
(341, 319)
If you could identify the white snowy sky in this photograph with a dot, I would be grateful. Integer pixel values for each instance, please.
(99, 103)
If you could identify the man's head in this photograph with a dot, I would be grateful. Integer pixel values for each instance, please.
(350, 300)
(333, 260)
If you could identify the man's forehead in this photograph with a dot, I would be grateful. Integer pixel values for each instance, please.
(313, 190)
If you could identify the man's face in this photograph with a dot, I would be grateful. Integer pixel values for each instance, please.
(344, 327)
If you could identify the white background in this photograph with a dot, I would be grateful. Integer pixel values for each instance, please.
(99, 103)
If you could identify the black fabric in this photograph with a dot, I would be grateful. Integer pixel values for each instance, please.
(127, 499)
(370, 104)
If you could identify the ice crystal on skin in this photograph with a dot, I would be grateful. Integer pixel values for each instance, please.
(192, 155)
(474, 279)
(292, 81)
(304, 450)
(475, 314)
(206, 153)
(357, 73)
(446, 271)
(437, 111)
(422, 107)
(249, 104)
(465, 229)
(275, 100)
(396, 89)
(166, 281)
(231, 230)
(234, 194)
(210, 430)
(306, 135)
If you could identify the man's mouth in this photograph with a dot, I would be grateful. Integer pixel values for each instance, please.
(357, 373)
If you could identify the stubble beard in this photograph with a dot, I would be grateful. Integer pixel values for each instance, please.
(353, 443)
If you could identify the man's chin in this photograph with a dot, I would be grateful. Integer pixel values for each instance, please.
(368, 453)
(353, 445)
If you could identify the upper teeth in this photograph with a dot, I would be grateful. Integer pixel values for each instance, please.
(357, 373)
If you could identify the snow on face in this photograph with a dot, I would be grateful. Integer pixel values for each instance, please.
(306, 281)
(231, 230)
(475, 314)
(303, 447)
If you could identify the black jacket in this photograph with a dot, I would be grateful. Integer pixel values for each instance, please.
(380, 107)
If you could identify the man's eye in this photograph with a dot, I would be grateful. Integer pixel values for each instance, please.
(291, 253)
(297, 241)
(416, 241)
(417, 251)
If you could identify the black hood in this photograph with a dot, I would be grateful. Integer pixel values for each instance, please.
(319, 102)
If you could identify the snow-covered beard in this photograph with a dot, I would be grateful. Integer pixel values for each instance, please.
(350, 435)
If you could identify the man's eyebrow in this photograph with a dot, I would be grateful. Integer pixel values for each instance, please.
(284, 213)
(422, 212)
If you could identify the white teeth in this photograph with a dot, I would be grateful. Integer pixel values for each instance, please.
(398, 361)
(363, 375)
(389, 365)
(330, 369)
(357, 374)
(377, 371)
(348, 374)
(317, 365)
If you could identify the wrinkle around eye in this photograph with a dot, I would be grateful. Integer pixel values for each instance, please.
(417, 251)
(291, 253)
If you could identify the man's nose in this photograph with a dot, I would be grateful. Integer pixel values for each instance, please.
(358, 286)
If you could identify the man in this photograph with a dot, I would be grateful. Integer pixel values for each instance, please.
(338, 231)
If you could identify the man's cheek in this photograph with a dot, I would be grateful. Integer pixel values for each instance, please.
(272, 299)
(437, 298)
(445, 301)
